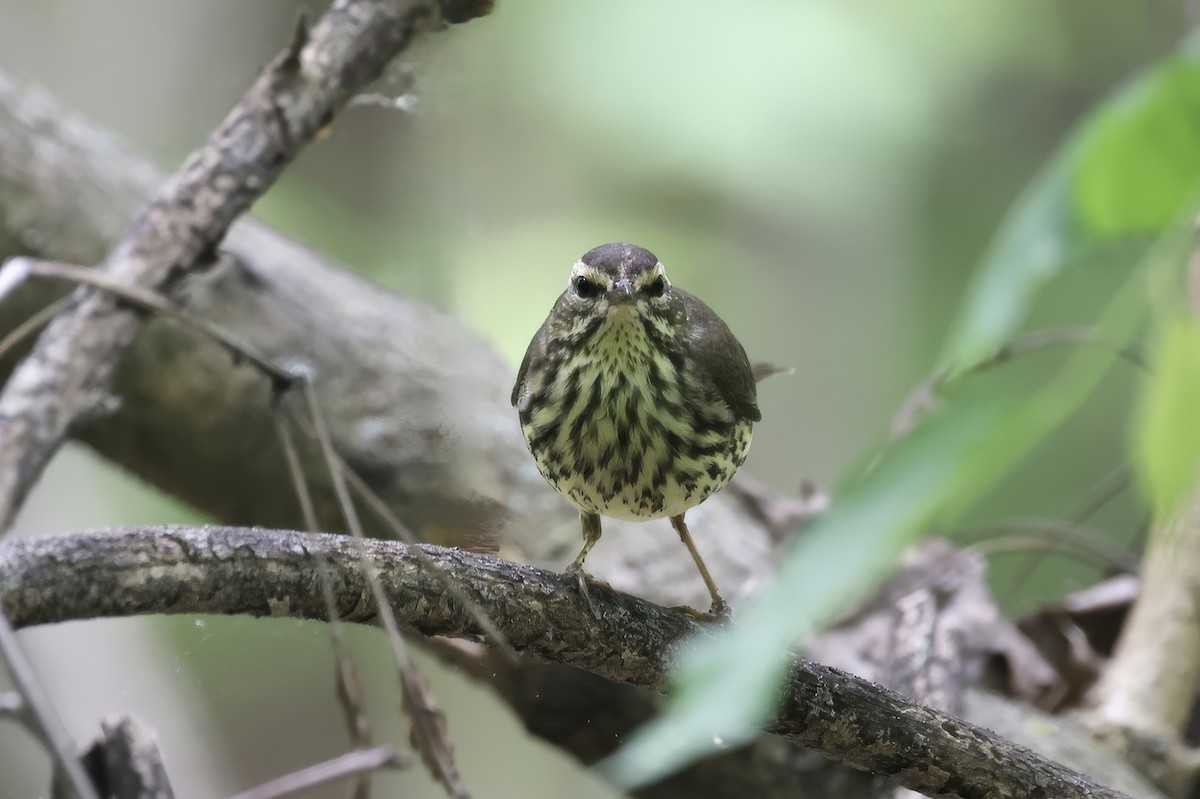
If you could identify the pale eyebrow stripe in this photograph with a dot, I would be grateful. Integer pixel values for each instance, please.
(591, 273)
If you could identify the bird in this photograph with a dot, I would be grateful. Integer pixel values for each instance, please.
(635, 399)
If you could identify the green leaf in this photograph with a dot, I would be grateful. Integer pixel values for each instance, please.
(727, 682)
(1167, 425)
(1126, 173)
(1141, 161)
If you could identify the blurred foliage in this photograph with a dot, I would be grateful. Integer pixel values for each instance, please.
(1139, 166)
(823, 173)
(1167, 427)
(1130, 169)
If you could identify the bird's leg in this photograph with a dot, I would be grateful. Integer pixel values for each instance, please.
(720, 608)
(591, 534)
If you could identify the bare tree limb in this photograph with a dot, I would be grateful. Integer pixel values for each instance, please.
(67, 376)
(1141, 704)
(272, 573)
(394, 375)
(1142, 701)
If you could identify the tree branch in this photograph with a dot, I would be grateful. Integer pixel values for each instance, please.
(67, 191)
(165, 569)
(40, 710)
(67, 376)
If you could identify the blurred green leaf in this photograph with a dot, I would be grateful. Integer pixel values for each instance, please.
(1128, 170)
(1035, 240)
(1141, 159)
(727, 682)
(1167, 426)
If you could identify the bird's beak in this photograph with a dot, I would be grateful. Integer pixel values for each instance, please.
(622, 293)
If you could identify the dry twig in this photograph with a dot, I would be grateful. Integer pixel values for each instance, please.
(357, 763)
(36, 705)
(66, 377)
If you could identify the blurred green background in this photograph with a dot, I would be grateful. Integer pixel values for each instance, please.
(825, 174)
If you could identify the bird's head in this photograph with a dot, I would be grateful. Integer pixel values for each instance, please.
(616, 280)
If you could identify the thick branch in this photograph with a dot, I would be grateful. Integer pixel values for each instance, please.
(394, 377)
(67, 376)
(415, 401)
(1143, 700)
(270, 573)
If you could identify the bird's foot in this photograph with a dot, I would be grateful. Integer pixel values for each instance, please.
(719, 613)
(576, 570)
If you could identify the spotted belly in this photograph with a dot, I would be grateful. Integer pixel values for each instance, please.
(629, 436)
(644, 482)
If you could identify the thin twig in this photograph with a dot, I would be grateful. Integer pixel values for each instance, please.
(349, 685)
(357, 763)
(428, 722)
(66, 375)
(491, 631)
(39, 707)
(31, 325)
(1006, 544)
(296, 472)
(16, 269)
(1056, 535)
(1107, 489)
(924, 396)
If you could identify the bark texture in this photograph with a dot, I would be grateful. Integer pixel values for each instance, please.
(66, 377)
(260, 572)
(416, 403)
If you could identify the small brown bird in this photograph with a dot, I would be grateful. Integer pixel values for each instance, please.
(635, 399)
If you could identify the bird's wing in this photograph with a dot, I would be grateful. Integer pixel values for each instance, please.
(537, 347)
(719, 356)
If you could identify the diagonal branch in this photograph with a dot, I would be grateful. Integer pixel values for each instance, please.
(66, 378)
(167, 569)
(37, 706)
(394, 375)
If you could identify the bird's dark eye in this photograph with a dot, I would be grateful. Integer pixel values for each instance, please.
(585, 288)
(657, 287)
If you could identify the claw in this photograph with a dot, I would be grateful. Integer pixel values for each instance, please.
(717, 614)
(581, 578)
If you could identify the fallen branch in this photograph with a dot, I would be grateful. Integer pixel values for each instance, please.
(68, 191)
(66, 378)
(415, 373)
(228, 570)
